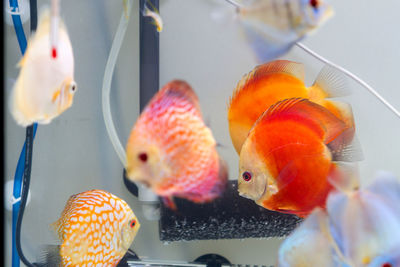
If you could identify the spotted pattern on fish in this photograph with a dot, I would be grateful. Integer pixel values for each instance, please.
(188, 164)
(96, 229)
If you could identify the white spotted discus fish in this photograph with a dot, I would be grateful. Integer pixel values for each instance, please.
(96, 228)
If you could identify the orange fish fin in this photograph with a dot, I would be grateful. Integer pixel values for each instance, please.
(330, 83)
(344, 177)
(341, 150)
(56, 228)
(55, 95)
(179, 88)
(170, 203)
(278, 66)
(342, 110)
(305, 109)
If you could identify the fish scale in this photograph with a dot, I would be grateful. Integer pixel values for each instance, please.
(97, 233)
(171, 131)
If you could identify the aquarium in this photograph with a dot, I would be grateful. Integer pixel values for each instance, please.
(202, 44)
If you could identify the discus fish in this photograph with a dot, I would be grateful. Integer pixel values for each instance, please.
(95, 227)
(45, 86)
(367, 223)
(272, 27)
(278, 80)
(286, 161)
(359, 228)
(154, 14)
(172, 151)
(311, 236)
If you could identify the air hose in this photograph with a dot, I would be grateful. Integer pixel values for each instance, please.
(25, 159)
(352, 76)
(146, 196)
(341, 69)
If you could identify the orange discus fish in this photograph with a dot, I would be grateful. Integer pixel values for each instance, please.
(172, 151)
(278, 80)
(286, 163)
(96, 229)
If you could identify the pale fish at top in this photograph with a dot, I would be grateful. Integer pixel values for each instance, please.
(171, 150)
(359, 228)
(272, 27)
(96, 228)
(45, 86)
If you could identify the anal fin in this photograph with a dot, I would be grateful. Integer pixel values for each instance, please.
(344, 176)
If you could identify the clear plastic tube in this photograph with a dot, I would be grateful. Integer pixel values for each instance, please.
(112, 59)
(346, 72)
(146, 196)
(352, 76)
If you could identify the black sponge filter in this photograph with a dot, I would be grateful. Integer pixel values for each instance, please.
(228, 217)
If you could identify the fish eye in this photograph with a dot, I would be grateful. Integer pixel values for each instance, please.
(72, 87)
(386, 265)
(314, 3)
(143, 157)
(132, 223)
(246, 176)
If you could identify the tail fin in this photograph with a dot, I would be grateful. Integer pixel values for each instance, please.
(331, 83)
(50, 256)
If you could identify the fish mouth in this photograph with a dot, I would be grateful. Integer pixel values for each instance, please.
(253, 196)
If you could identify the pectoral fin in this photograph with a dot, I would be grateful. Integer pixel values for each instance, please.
(55, 95)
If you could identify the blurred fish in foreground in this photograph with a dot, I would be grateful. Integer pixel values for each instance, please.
(271, 82)
(360, 228)
(45, 86)
(95, 227)
(172, 151)
(288, 162)
(272, 27)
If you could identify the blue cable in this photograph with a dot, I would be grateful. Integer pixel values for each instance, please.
(19, 30)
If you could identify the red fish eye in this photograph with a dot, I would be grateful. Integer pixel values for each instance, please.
(386, 265)
(143, 157)
(314, 3)
(246, 176)
(132, 224)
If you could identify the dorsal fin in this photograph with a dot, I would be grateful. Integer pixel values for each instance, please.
(278, 66)
(58, 226)
(306, 109)
(181, 89)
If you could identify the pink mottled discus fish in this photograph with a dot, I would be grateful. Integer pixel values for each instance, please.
(172, 151)
(96, 228)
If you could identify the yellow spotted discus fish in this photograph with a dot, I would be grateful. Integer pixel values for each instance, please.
(96, 228)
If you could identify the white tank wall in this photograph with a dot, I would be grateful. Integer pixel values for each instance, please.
(73, 154)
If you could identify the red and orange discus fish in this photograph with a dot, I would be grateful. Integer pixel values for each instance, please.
(172, 151)
(278, 80)
(96, 229)
(287, 161)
